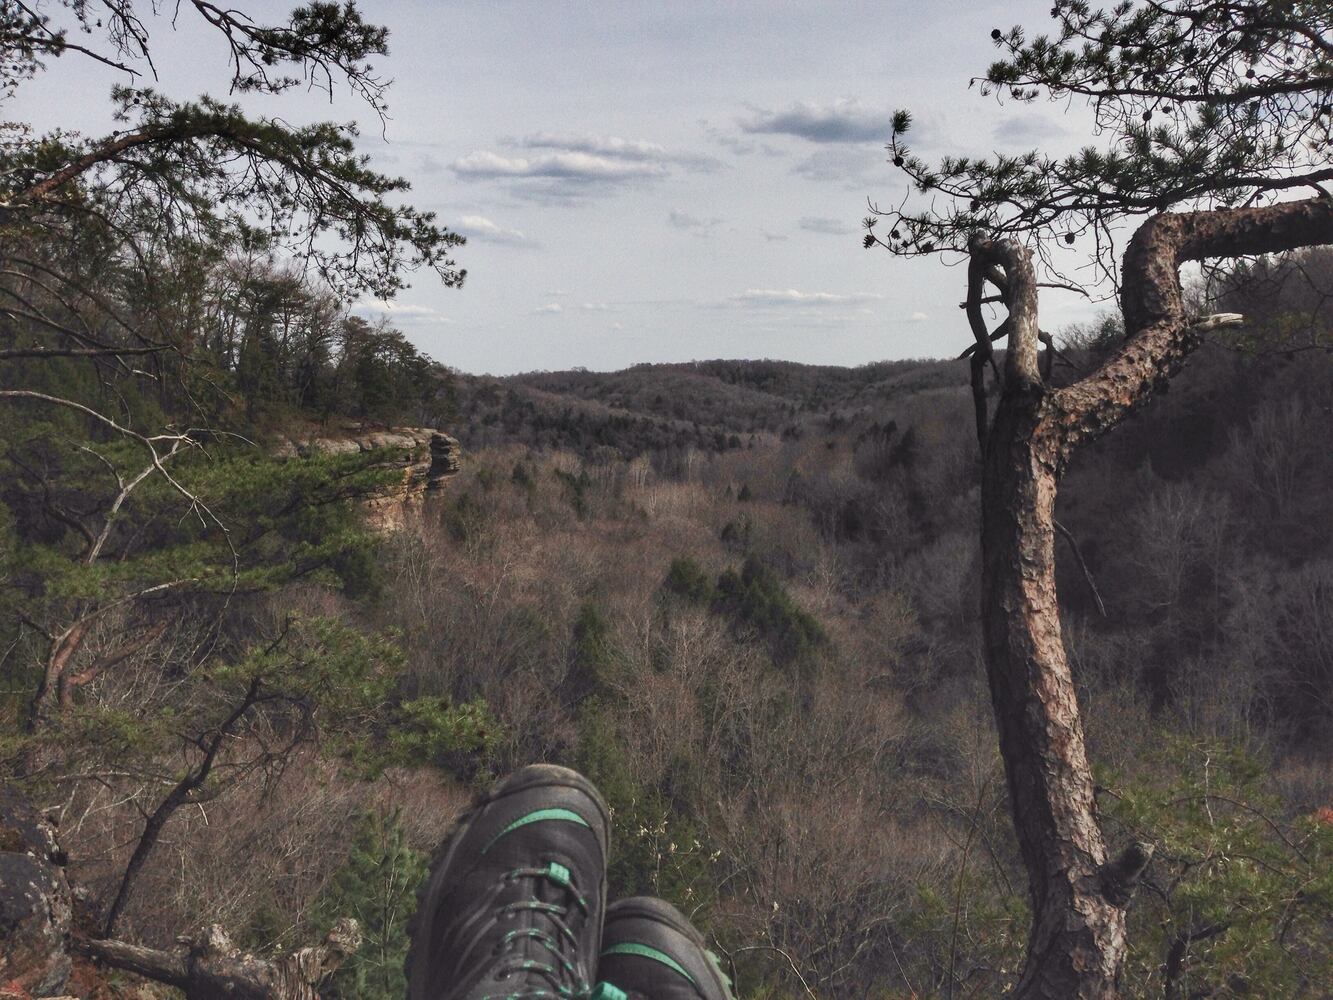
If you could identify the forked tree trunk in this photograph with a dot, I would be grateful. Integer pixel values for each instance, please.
(1077, 943)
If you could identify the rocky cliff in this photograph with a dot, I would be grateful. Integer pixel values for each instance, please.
(425, 456)
(35, 903)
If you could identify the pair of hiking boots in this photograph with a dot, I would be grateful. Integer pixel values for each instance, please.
(515, 908)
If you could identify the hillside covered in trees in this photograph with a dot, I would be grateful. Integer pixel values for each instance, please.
(756, 629)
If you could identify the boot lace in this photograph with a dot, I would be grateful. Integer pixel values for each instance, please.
(557, 978)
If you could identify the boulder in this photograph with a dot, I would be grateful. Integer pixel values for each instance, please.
(36, 909)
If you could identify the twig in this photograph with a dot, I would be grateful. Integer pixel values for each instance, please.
(1068, 536)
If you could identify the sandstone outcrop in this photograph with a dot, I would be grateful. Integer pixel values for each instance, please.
(427, 457)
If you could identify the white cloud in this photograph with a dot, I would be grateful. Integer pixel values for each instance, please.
(565, 168)
(831, 227)
(793, 297)
(843, 121)
(399, 312)
(481, 228)
(550, 307)
(582, 167)
(917, 317)
(614, 146)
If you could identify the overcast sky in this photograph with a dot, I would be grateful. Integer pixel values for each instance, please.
(655, 181)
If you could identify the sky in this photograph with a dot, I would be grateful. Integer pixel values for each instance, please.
(652, 181)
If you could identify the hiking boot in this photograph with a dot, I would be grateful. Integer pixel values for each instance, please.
(650, 949)
(514, 903)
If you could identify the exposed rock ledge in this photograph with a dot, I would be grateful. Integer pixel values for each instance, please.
(35, 903)
(427, 457)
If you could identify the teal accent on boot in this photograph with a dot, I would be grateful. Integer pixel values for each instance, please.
(537, 816)
(645, 951)
(605, 991)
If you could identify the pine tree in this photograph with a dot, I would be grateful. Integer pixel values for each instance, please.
(377, 885)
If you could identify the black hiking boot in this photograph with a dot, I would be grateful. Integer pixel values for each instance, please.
(649, 949)
(514, 903)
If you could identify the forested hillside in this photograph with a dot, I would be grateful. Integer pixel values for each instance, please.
(741, 596)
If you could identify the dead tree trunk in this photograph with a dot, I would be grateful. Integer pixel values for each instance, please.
(1077, 944)
(212, 968)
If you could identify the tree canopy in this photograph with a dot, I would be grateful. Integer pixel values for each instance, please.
(1195, 103)
(207, 170)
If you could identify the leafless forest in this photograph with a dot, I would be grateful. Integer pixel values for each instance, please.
(743, 596)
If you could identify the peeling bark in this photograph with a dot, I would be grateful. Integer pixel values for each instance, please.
(1077, 944)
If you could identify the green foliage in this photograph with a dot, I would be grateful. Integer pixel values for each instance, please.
(1239, 899)
(735, 535)
(755, 602)
(686, 579)
(376, 885)
(522, 478)
(1195, 103)
(431, 731)
(593, 657)
(755, 599)
(658, 850)
(968, 930)
(576, 490)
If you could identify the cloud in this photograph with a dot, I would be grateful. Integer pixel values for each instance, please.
(844, 121)
(684, 220)
(792, 297)
(774, 237)
(616, 148)
(481, 228)
(579, 167)
(596, 307)
(399, 312)
(917, 317)
(1028, 130)
(855, 168)
(559, 168)
(831, 227)
(612, 146)
(550, 307)
(738, 145)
